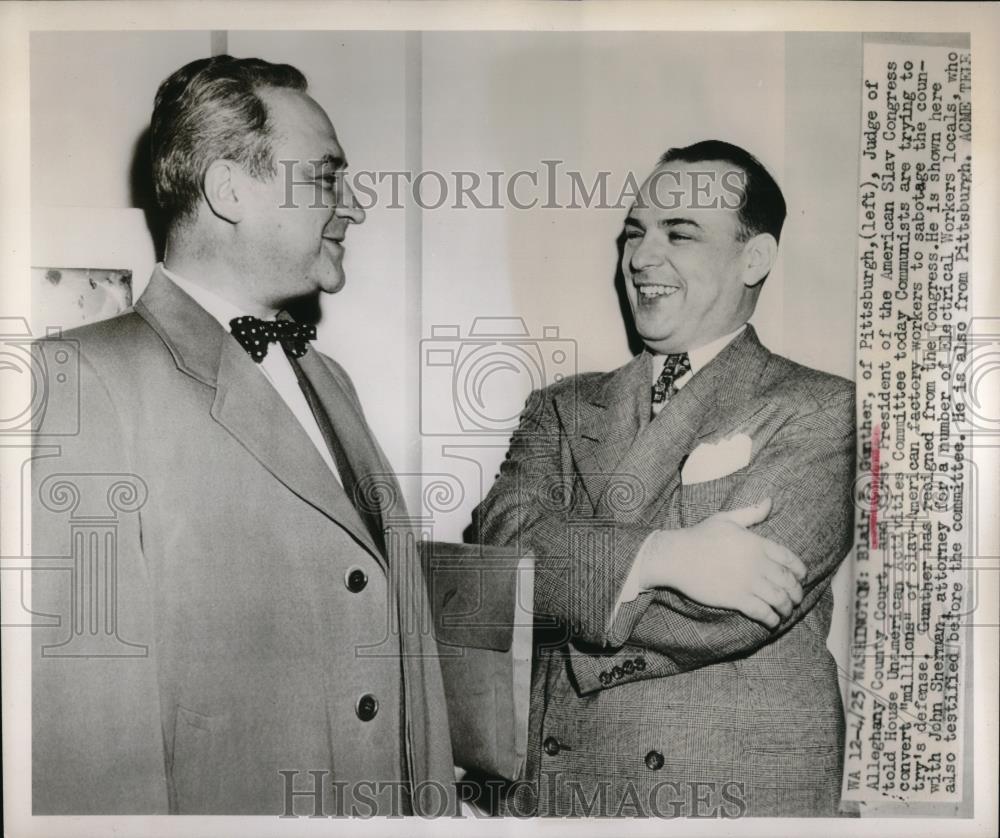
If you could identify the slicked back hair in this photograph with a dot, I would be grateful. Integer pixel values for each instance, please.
(762, 208)
(210, 110)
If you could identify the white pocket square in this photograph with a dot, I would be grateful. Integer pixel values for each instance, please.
(712, 460)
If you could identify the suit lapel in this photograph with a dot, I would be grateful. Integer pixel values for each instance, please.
(655, 459)
(611, 435)
(378, 488)
(259, 418)
(245, 403)
(602, 425)
(702, 408)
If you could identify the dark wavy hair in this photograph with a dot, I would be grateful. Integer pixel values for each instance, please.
(209, 110)
(762, 208)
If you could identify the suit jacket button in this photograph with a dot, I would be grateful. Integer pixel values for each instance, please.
(604, 678)
(356, 579)
(551, 746)
(640, 664)
(367, 707)
(617, 673)
(629, 667)
(654, 760)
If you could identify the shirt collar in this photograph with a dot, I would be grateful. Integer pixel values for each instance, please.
(219, 307)
(701, 356)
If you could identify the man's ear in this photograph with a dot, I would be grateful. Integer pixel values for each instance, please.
(759, 255)
(222, 186)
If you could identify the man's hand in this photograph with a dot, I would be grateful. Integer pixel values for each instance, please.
(721, 564)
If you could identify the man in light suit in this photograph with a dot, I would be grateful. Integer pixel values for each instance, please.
(253, 647)
(687, 513)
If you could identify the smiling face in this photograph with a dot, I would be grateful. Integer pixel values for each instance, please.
(294, 224)
(688, 276)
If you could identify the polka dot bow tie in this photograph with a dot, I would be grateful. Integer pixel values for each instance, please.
(674, 366)
(256, 335)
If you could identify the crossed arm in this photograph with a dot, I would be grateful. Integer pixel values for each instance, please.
(717, 588)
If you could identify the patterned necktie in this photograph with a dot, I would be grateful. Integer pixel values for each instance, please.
(674, 366)
(256, 335)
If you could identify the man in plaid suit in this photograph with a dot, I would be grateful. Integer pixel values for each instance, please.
(687, 512)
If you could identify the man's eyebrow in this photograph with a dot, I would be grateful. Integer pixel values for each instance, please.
(677, 222)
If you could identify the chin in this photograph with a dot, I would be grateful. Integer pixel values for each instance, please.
(655, 331)
(658, 334)
(660, 343)
(327, 279)
(333, 284)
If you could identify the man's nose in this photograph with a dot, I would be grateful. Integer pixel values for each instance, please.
(348, 206)
(647, 254)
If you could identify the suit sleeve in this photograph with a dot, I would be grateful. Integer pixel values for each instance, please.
(581, 564)
(97, 739)
(807, 470)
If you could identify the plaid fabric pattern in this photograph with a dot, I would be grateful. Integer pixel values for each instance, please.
(671, 693)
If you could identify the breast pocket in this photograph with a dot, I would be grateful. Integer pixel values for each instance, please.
(700, 500)
(198, 761)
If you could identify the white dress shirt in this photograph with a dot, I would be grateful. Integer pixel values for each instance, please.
(275, 367)
(699, 358)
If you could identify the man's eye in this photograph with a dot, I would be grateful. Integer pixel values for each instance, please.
(633, 234)
(679, 237)
(332, 181)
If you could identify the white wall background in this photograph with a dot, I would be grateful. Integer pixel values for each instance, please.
(91, 99)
